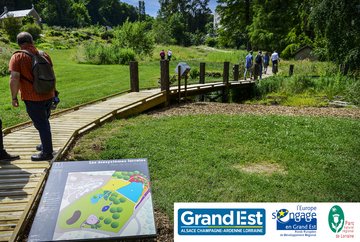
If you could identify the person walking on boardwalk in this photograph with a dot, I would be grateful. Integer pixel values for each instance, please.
(38, 106)
(4, 156)
(266, 61)
(248, 64)
(275, 59)
(259, 64)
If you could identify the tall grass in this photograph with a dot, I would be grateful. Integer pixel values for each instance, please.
(99, 53)
(311, 79)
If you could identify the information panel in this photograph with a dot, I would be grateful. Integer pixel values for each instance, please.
(94, 200)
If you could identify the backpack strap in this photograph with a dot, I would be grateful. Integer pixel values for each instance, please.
(29, 54)
(26, 52)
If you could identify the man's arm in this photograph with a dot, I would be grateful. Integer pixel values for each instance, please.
(14, 87)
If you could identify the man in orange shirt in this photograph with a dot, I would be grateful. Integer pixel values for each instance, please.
(38, 106)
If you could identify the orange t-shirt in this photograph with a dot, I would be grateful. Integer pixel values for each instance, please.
(22, 63)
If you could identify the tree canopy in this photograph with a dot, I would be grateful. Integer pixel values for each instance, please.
(78, 13)
(332, 27)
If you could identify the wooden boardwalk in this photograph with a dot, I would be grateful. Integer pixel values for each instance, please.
(21, 181)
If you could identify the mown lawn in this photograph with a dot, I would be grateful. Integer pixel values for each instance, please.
(236, 158)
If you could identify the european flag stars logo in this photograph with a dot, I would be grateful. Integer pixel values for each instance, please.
(283, 215)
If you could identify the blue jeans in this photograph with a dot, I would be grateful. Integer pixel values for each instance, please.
(39, 112)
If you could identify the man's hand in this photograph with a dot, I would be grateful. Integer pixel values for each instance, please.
(15, 103)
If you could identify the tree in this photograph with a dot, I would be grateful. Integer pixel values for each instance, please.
(134, 36)
(236, 16)
(337, 25)
(12, 27)
(188, 16)
(141, 10)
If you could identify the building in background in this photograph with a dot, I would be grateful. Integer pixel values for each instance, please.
(20, 14)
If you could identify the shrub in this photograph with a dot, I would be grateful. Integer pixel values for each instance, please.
(12, 27)
(289, 51)
(211, 41)
(300, 84)
(134, 36)
(125, 56)
(194, 73)
(98, 53)
(271, 84)
(352, 92)
(5, 56)
(33, 29)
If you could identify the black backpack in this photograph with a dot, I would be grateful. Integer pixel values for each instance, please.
(258, 59)
(42, 71)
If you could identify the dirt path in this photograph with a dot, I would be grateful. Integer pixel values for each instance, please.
(224, 108)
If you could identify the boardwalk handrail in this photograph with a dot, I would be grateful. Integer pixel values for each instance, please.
(74, 108)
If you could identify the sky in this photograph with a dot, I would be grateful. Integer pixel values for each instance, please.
(152, 6)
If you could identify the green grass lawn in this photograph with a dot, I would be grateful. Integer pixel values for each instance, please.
(237, 158)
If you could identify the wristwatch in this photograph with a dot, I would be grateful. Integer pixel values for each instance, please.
(14, 98)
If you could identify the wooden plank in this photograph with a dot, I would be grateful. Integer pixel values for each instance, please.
(10, 215)
(5, 235)
(32, 165)
(29, 170)
(12, 186)
(14, 199)
(17, 180)
(13, 207)
(19, 192)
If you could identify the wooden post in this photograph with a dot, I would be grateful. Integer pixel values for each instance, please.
(179, 83)
(225, 97)
(134, 76)
(202, 73)
(202, 79)
(291, 70)
(236, 72)
(165, 80)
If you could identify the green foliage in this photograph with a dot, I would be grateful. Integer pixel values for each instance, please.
(12, 27)
(134, 36)
(352, 92)
(194, 73)
(98, 53)
(28, 20)
(270, 85)
(337, 26)
(211, 41)
(289, 51)
(299, 84)
(235, 19)
(162, 32)
(5, 55)
(33, 29)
